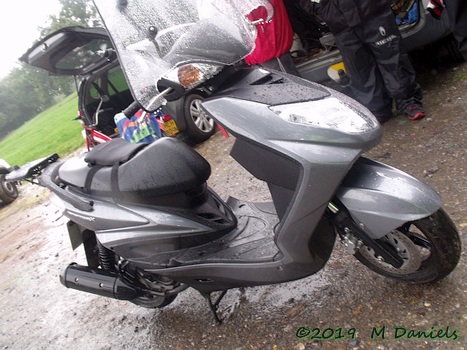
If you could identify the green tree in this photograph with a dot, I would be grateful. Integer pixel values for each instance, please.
(3, 120)
(27, 91)
(17, 101)
(73, 13)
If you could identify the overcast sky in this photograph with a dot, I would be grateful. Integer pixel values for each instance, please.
(19, 21)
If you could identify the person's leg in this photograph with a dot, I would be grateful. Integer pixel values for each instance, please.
(457, 13)
(366, 82)
(383, 37)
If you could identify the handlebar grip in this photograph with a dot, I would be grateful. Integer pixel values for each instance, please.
(131, 109)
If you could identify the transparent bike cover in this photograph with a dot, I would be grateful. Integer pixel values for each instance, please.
(154, 36)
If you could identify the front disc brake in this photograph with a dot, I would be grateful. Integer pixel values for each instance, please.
(405, 248)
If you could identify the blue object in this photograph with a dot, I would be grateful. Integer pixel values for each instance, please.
(411, 16)
(139, 128)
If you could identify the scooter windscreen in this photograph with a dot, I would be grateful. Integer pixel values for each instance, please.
(183, 41)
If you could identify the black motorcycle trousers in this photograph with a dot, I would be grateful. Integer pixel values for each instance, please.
(378, 66)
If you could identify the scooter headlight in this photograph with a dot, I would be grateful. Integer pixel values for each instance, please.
(329, 113)
(191, 75)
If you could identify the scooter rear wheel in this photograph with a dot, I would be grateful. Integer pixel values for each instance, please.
(153, 302)
(430, 248)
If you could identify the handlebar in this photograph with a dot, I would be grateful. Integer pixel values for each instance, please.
(153, 104)
(131, 109)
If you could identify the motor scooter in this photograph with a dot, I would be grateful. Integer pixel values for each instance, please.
(152, 227)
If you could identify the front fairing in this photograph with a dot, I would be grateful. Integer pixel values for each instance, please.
(152, 37)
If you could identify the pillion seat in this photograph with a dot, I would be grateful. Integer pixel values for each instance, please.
(124, 170)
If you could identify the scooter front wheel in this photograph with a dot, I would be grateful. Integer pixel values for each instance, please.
(430, 248)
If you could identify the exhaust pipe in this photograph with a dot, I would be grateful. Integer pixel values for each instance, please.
(96, 281)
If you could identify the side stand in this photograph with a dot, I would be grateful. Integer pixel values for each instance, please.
(213, 306)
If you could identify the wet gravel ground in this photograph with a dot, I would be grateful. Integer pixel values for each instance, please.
(345, 302)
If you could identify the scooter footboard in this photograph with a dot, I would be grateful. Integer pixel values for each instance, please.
(381, 198)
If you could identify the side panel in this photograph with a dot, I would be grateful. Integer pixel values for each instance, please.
(303, 164)
(383, 198)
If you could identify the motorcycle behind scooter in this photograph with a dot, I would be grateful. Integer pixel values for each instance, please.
(151, 226)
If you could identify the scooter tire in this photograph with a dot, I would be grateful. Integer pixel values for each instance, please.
(8, 190)
(438, 250)
(153, 302)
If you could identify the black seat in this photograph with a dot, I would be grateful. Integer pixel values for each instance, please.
(163, 167)
(115, 151)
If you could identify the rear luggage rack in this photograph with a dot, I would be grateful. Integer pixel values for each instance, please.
(31, 171)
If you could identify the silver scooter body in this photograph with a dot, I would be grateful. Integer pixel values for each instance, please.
(303, 140)
(306, 167)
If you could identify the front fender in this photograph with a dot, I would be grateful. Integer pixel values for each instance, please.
(381, 198)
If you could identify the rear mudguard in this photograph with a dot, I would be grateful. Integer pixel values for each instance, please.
(381, 198)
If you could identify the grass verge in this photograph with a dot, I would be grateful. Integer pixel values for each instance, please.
(52, 131)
